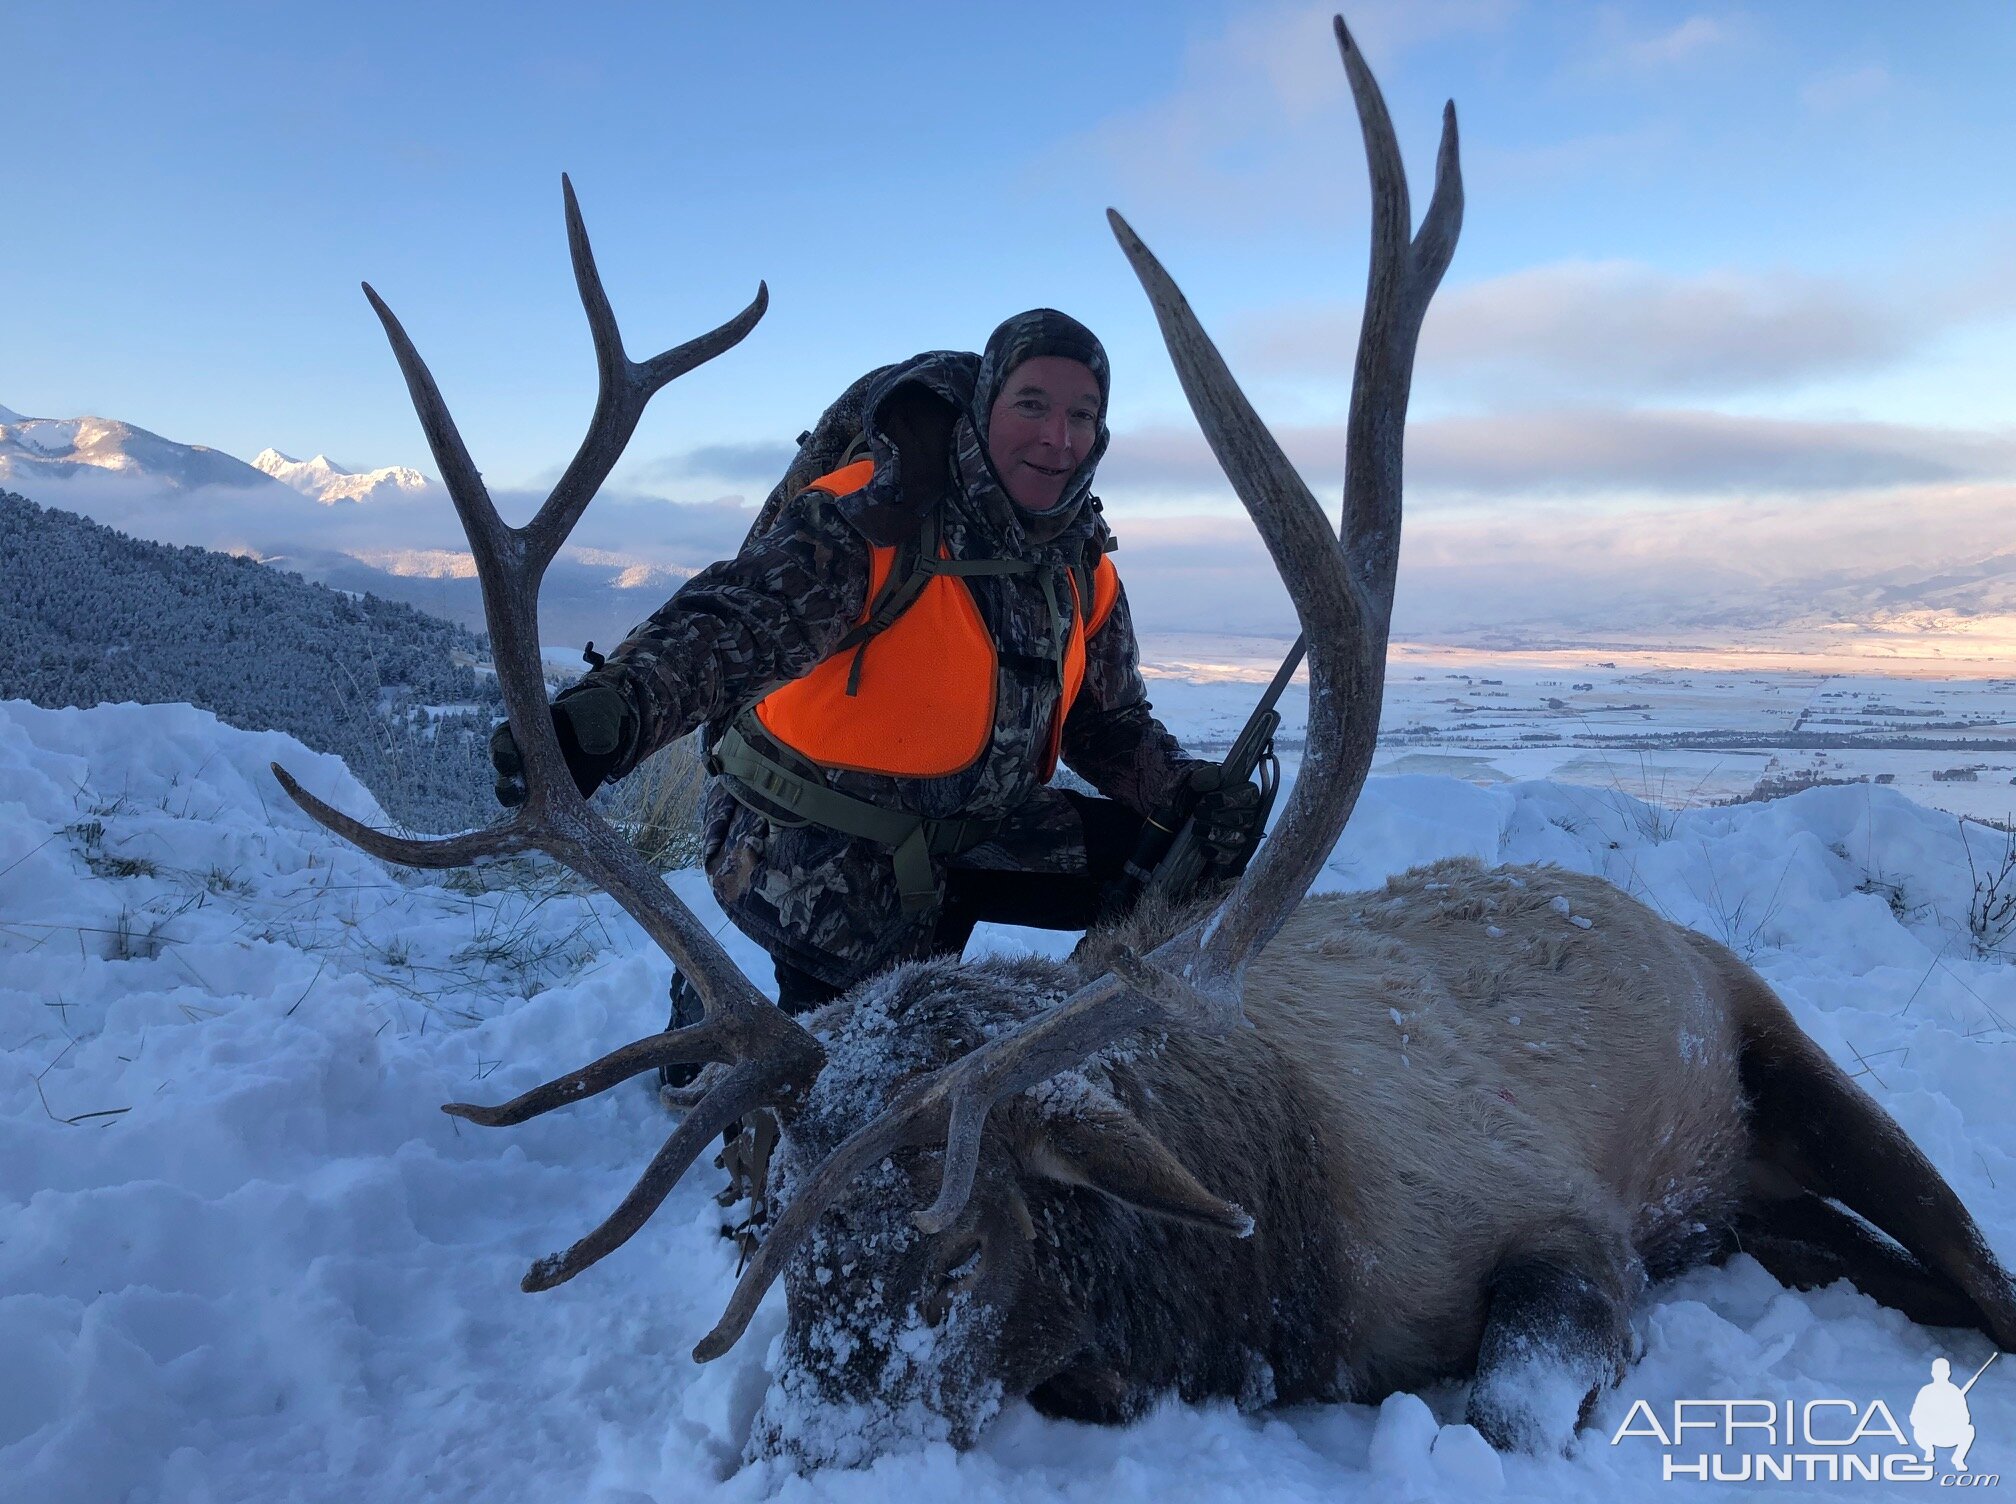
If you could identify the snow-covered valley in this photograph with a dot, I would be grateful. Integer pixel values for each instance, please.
(244, 1256)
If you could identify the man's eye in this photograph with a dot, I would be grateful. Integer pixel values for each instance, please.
(1029, 407)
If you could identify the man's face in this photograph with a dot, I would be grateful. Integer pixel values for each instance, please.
(1042, 426)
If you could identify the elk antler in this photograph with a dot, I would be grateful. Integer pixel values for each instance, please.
(770, 1056)
(1344, 596)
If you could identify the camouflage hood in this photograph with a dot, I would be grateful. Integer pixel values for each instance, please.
(967, 385)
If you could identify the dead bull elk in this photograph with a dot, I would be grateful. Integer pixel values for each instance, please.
(1459, 1136)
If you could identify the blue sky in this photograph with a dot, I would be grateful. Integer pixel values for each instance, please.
(1711, 251)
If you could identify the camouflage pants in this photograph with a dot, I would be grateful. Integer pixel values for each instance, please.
(825, 905)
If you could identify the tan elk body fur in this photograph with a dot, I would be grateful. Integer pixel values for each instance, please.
(1494, 1078)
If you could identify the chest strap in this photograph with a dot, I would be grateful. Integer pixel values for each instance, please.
(916, 564)
(915, 838)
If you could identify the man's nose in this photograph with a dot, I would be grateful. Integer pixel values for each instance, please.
(1056, 429)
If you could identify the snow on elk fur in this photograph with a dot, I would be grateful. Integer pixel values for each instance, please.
(1276, 1150)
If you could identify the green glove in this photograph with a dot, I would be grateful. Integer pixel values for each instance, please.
(593, 722)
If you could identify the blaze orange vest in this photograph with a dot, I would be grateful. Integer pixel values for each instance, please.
(922, 705)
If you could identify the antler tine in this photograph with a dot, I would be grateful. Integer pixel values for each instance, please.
(914, 1117)
(485, 529)
(747, 1087)
(700, 1043)
(625, 388)
(1137, 994)
(1402, 277)
(576, 836)
(1435, 241)
(1343, 592)
(506, 838)
(953, 1104)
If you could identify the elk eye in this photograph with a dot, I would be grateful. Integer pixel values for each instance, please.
(962, 1270)
(953, 1278)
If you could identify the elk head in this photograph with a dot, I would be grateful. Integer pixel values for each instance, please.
(895, 1332)
(906, 1318)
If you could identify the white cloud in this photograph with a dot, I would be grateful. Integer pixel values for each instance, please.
(1845, 93)
(762, 464)
(1533, 570)
(417, 533)
(1618, 328)
(1253, 126)
(1593, 453)
(1690, 40)
(1684, 452)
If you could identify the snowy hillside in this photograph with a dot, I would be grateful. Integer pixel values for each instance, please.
(243, 1256)
(92, 615)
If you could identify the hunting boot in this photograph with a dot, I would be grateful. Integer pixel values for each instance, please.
(686, 1011)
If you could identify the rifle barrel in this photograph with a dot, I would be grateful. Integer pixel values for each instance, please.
(1283, 674)
(1981, 1370)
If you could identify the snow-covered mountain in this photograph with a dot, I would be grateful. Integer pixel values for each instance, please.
(40, 449)
(165, 491)
(326, 482)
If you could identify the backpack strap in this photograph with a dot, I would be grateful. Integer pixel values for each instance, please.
(900, 589)
(916, 564)
(1099, 542)
(766, 786)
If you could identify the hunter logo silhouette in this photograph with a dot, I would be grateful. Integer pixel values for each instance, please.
(1939, 1416)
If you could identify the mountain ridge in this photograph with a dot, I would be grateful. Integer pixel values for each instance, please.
(320, 479)
(34, 449)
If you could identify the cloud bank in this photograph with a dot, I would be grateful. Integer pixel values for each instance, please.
(1514, 457)
(1654, 573)
(1622, 329)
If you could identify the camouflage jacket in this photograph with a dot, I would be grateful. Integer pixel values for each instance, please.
(827, 901)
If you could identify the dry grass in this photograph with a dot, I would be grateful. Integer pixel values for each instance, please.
(658, 805)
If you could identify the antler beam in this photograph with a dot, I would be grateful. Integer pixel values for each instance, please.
(771, 1057)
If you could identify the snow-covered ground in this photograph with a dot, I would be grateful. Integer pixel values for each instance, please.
(244, 1257)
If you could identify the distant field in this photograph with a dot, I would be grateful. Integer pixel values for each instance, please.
(1683, 727)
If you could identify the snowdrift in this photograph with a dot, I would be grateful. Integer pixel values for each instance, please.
(244, 1256)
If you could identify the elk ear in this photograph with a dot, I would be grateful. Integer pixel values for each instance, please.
(1104, 1148)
